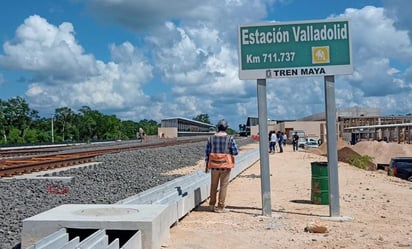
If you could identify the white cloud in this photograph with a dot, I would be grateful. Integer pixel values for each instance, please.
(380, 51)
(208, 68)
(46, 50)
(116, 86)
(147, 16)
(65, 76)
(399, 11)
(374, 35)
(197, 61)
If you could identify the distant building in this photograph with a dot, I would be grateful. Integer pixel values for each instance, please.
(353, 124)
(312, 128)
(245, 129)
(181, 127)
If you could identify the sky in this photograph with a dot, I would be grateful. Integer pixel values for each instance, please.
(156, 59)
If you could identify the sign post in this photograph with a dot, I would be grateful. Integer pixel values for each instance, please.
(264, 148)
(296, 49)
(330, 110)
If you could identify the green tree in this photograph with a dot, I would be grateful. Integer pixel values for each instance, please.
(129, 129)
(3, 124)
(18, 115)
(40, 131)
(64, 121)
(20, 124)
(14, 136)
(87, 123)
(111, 126)
(202, 118)
(230, 131)
(32, 136)
(94, 125)
(149, 126)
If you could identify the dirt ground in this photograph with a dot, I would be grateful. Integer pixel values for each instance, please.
(375, 209)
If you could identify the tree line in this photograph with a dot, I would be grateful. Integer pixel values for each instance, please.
(20, 124)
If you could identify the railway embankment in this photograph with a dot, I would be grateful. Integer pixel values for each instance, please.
(118, 176)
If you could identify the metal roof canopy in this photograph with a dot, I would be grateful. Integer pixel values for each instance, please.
(378, 126)
(190, 121)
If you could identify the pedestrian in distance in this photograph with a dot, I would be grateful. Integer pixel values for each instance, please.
(220, 151)
(295, 141)
(140, 134)
(280, 141)
(272, 141)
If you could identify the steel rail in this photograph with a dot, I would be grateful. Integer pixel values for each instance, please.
(10, 153)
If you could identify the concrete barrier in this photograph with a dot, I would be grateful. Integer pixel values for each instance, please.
(148, 219)
(100, 239)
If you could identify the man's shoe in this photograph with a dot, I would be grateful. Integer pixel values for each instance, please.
(212, 208)
(222, 210)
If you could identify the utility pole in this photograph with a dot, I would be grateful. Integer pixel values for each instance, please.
(52, 128)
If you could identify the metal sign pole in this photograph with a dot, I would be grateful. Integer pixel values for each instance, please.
(292, 50)
(264, 148)
(332, 146)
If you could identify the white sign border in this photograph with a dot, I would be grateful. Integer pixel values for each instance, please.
(253, 74)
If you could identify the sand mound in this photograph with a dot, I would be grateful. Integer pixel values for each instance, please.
(381, 152)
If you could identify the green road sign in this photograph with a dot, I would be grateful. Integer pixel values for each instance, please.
(295, 49)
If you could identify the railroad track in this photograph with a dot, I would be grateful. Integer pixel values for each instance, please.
(52, 158)
(21, 152)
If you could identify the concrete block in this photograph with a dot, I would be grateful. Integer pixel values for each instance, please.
(151, 220)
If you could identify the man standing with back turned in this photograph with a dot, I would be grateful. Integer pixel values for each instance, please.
(220, 152)
(295, 142)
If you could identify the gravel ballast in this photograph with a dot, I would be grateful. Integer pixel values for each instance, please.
(118, 176)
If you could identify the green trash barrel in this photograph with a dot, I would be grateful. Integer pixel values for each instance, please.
(320, 183)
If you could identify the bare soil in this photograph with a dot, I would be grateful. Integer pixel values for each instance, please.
(380, 152)
(375, 210)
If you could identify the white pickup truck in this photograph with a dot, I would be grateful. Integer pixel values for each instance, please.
(311, 143)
